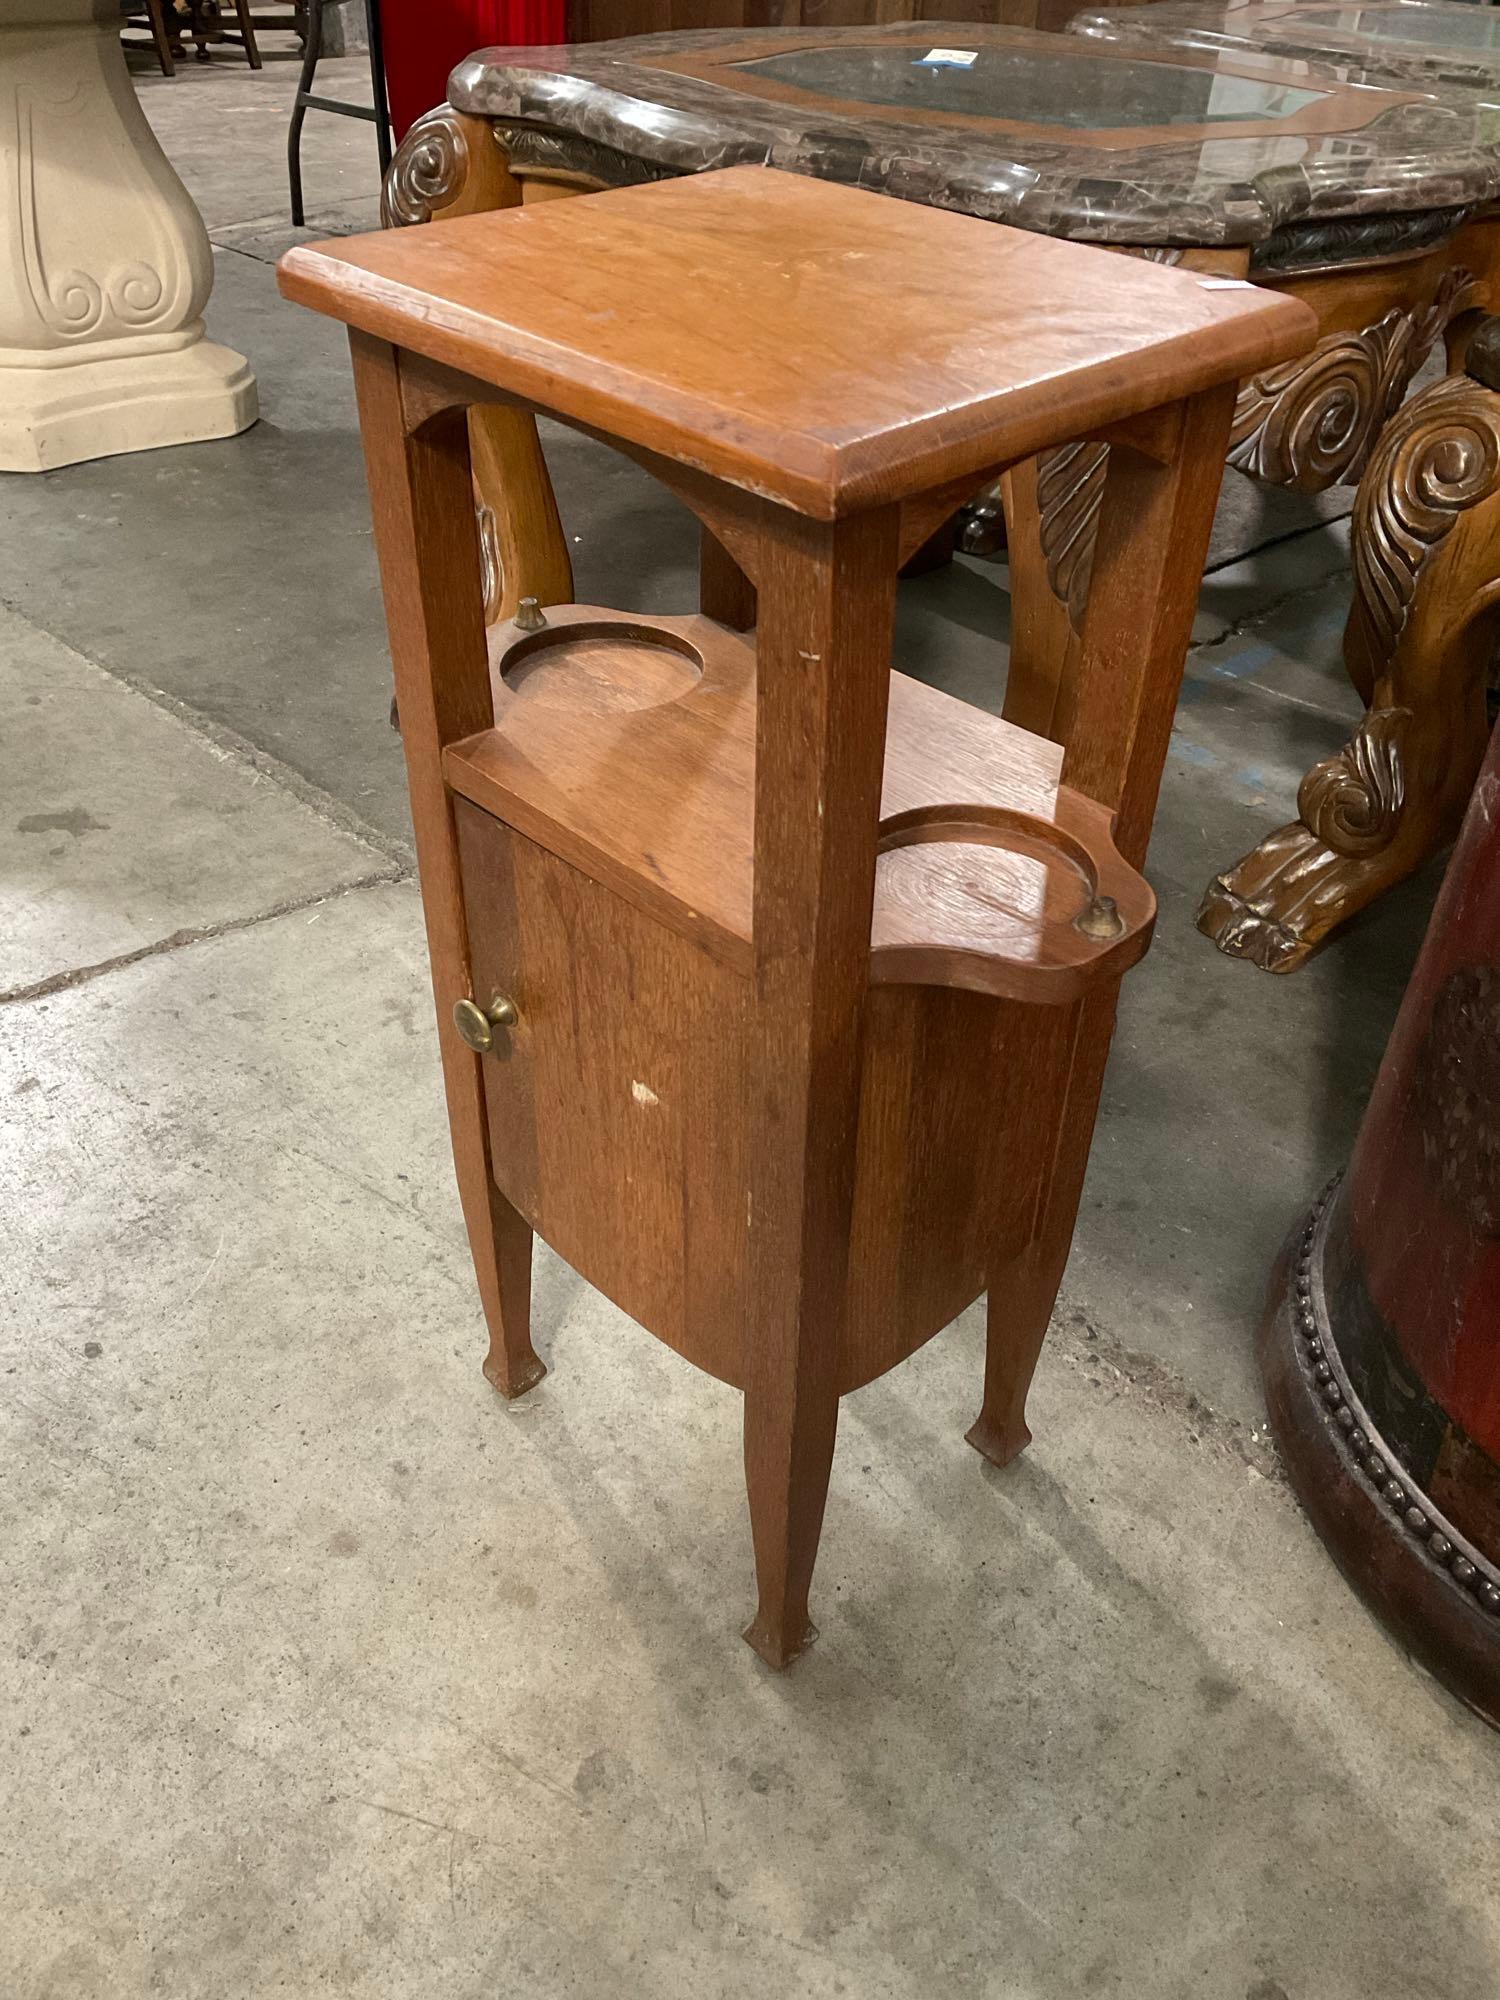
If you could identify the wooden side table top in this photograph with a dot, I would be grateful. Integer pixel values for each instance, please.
(1410, 44)
(927, 346)
(1058, 134)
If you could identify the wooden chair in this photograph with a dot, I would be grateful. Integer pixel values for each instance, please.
(203, 21)
(151, 12)
(774, 988)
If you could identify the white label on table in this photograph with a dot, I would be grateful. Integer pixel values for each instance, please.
(948, 59)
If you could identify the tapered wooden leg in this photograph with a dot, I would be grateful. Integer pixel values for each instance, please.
(1024, 1284)
(505, 1272)
(159, 36)
(827, 604)
(421, 492)
(1114, 717)
(788, 1457)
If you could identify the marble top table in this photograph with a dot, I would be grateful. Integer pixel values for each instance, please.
(1144, 148)
(1378, 206)
(1412, 44)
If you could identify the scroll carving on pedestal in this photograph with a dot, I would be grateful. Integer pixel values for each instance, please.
(430, 167)
(1396, 792)
(450, 164)
(1311, 423)
(1438, 458)
(74, 282)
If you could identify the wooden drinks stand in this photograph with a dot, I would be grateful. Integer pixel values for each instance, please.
(775, 988)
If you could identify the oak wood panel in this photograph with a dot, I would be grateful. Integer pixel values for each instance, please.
(635, 759)
(616, 1091)
(964, 374)
(622, 1123)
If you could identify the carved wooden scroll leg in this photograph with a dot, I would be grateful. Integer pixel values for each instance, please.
(420, 483)
(1420, 636)
(449, 165)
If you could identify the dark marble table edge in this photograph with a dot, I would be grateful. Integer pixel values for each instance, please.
(1165, 25)
(602, 108)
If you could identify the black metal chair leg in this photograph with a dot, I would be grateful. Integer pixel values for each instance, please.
(311, 52)
(377, 86)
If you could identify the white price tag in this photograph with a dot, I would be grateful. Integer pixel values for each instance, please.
(948, 59)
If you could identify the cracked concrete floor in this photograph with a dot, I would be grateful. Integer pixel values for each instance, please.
(326, 1671)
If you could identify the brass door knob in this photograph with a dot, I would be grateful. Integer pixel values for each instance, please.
(477, 1024)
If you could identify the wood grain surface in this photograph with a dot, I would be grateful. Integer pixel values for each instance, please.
(633, 756)
(928, 346)
(794, 978)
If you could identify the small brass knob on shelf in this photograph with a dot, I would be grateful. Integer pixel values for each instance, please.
(477, 1024)
(530, 616)
(1101, 919)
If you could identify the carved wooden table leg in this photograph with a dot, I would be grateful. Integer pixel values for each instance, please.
(450, 165)
(101, 296)
(1370, 815)
(1420, 636)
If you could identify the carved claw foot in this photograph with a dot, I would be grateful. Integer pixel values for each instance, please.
(1277, 905)
(1420, 637)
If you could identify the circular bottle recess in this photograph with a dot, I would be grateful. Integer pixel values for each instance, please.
(602, 669)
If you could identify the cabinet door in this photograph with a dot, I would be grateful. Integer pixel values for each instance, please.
(616, 1108)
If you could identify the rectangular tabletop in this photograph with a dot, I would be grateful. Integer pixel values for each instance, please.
(820, 345)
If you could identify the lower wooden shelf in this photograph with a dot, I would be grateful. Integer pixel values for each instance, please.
(626, 746)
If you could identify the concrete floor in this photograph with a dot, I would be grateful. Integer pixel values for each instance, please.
(325, 1671)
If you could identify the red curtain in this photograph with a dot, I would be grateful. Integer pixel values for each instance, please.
(424, 39)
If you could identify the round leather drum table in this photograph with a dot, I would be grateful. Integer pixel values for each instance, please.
(1381, 1353)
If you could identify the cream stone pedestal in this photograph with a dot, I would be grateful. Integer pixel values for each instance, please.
(105, 265)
